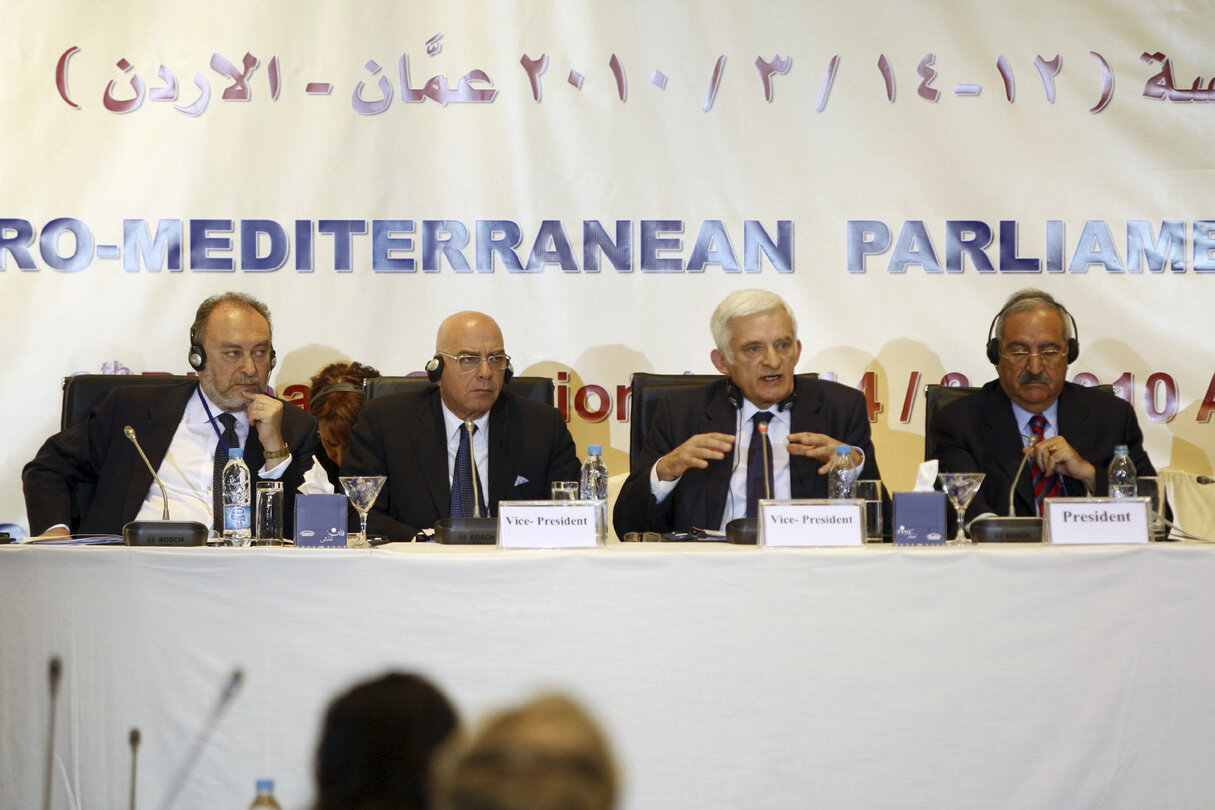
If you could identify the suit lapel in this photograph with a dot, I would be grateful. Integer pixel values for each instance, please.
(1079, 430)
(720, 417)
(431, 450)
(155, 425)
(806, 416)
(1003, 436)
(501, 470)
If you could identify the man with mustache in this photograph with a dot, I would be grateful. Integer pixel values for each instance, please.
(182, 427)
(1076, 427)
(420, 440)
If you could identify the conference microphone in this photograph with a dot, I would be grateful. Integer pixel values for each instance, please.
(56, 671)
(163, 532)
(134, 738)
(1012, 490)
(187, 767)
(1205, 479)
(472, 457)
(1011, 529)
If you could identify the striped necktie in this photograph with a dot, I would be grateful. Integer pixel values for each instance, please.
(1044, 486)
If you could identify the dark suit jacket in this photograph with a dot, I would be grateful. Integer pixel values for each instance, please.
(699, 498)
(979, 433)
(95, 453)
(403, 437)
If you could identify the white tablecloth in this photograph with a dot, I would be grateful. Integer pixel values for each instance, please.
(741, 678)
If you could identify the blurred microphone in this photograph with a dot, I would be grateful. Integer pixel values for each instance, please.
(187, 767)
(763, 433)
(472, 457)
(163, 532)
(1206, 479)
(56, 670)
(134, 738)
(1012, 490)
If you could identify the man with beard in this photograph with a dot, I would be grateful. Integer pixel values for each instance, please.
(1076, 428)
(184, 428)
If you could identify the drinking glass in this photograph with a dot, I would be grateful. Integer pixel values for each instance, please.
(1149, 487)
(563, 491)
(871, 493)
(362, 490)
(268, 526)
(960, 488)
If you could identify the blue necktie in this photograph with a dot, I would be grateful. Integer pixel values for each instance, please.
(461, 480)
(759, 473)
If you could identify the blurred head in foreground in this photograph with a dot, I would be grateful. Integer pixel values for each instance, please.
(378, 742)
(545, 755)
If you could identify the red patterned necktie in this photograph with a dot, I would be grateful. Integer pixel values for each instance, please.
(1044, 487)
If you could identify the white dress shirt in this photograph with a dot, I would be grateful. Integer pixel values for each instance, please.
(188, 467)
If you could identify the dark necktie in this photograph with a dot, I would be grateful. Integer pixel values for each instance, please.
(230, 439)
(1044, 487)
(461, 480)
(759, 471)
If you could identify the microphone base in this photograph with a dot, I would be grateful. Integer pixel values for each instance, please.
(466, 531)
(164, 533)
(743, 531)
(1007, 530)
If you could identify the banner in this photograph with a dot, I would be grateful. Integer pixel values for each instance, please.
(597, 177)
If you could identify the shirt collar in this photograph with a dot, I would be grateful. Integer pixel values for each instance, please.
(197, 414)
(1023, 416)
(749, 409)
(454, 424)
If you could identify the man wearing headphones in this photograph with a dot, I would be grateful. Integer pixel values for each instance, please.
(458, 447)
(1068, 431)
(702, 465)
(184, 428)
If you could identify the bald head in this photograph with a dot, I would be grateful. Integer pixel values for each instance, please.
(457, 328)
(469, 393)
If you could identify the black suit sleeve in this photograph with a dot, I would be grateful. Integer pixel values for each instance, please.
(300, 434)
(66, 461)
(365, 455)
(955, 453)
(636, 507)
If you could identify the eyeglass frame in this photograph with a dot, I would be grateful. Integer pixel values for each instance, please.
(1048, 356)
(469, 362)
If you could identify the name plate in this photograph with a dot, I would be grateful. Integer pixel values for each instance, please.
(811, 522)
(1092, 521)
(547, 524)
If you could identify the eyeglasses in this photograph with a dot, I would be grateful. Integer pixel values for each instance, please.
(472, 362)
(1047, 356)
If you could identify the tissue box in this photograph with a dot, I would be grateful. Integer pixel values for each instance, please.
(320, 521)
(919, 518)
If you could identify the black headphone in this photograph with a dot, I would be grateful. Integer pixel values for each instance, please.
(735, 396)
(434, 370)
(335, 388)
(198, 355)
(993, 342)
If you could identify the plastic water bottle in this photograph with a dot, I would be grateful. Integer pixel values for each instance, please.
(841, 477)
(593, 486)
(237, 511)
(265, 796)
(1124, 481)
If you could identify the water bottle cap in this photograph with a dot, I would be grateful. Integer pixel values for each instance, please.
(1122, 450)
(265, 785)
(596, 449)
(236, 452)
(843, 450)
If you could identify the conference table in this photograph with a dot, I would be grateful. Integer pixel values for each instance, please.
(726, 677)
